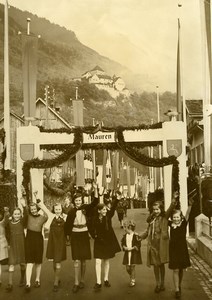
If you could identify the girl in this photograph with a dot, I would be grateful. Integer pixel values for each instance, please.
(105, 241)
(121, 211)
(4, 215)
(179, 257)
(34, 241)
(16, 242)
(131, 244)
(56, 247)
(77, 227)
(158, 241)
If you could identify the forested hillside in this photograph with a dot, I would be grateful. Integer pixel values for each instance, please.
(61, 56)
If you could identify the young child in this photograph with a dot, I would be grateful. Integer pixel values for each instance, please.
(105, 242)
(16, 249)
(4, 215)
(56, 247)
(131, 244)
(158, 241)
(34, 241)
(178, 250)
(77, 228)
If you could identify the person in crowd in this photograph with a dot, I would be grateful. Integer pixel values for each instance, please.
(66, 208)
(56, 246)
(158, 240)
(4, 215)
(77, 227)
(105, 242)
(131, 245)
(16, 246)
(67, 203)
(121, 211)
(34, 241)
(178, 250)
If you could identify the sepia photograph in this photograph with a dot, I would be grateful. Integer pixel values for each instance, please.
(105, 149)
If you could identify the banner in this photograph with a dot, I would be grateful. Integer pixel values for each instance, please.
(29, 64)
(128, 181)
(179, 96)
(104, 168)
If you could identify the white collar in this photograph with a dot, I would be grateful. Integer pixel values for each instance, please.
(176, 225)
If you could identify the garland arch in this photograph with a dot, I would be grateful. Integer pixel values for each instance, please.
(130, 149)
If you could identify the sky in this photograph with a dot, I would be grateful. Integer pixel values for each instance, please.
(139, 34)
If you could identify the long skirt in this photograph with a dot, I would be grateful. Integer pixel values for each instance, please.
(80, 245)
(34, 247)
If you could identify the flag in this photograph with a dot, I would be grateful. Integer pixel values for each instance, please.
(179, 95)
(29, 64)
(115, 171)
(104, 168)
(128, 181)
(78, 112)
(205, 9)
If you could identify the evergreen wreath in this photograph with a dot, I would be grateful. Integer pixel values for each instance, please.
(130, 149)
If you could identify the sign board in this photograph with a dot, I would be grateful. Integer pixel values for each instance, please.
(99, 137)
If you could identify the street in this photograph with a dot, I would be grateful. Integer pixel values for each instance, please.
(192, 286)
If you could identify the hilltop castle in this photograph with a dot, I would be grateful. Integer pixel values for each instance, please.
(115, 86)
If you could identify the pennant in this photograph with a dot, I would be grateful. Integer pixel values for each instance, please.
(78, 112)
(29, 64)
(179, 96)
(128, 181)
(104, 168)
(115, 171)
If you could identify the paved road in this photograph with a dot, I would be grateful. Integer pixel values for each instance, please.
(193, 285)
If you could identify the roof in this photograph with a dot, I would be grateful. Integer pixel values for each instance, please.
(97, 68)
(194, 107)
(104, 76)
(55, 113)
(15, 116)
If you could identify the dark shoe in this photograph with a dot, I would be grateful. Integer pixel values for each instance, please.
(97, 287)
(21, 283)
(162, 288)
(55, 288)
(27, 288)
(75, 288)
(81, 285)
(107, 283)
(157, 289)
(9, 288)
(177, 295)
(37, 284)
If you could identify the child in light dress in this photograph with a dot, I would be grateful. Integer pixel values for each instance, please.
(131, 245)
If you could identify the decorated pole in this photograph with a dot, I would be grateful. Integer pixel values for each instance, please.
(78, 121)
(7, 165)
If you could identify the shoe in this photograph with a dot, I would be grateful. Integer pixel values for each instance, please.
(157, 289)
(162, 288)
(81, 285)
(37, 284)
(132, 283)
(97, 287)
(75, 288)
(55, 288)
(107, 283)
(27, 288)
(9, 288)
(21, 283)
(177, 294)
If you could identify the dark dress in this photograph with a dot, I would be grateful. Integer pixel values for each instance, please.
(105, 242)
(178, 250)
(80, 241)
(135, 257)
(17, 243)
(56, 247)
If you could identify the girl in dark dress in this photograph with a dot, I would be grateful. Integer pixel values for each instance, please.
(56, 247)
(77, 227)
(34, 241)
(178, 250)
(131, 244)
(105, 242)
(16, 249)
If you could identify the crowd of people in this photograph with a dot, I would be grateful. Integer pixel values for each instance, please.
(22, 242)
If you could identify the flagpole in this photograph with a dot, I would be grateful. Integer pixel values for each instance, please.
(7, 165)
